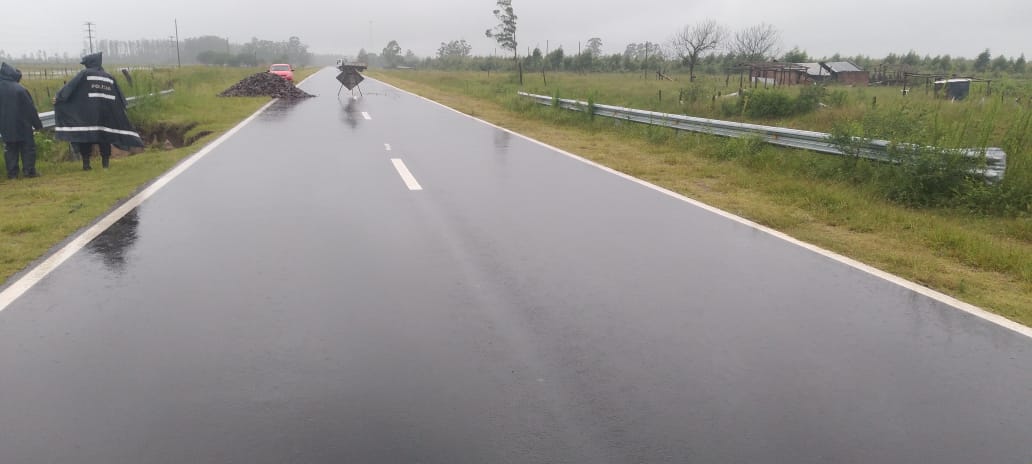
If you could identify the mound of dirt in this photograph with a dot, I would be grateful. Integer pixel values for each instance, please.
(265, 84)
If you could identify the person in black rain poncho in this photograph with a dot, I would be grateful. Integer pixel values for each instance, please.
(18, 117)
(90, 109)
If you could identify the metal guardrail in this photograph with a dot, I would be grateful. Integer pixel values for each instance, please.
(995, 158)
(48, 118)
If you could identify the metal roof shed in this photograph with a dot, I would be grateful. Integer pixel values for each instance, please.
(956, 89)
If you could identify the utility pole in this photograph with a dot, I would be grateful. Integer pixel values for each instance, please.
(179, 61)
(89, 34)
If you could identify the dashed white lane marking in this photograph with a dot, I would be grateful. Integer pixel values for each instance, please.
(366, 115)
(406, 175)
(387, 146)
(912, 286)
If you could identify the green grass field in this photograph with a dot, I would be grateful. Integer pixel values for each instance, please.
(840, 204)
(41, 212)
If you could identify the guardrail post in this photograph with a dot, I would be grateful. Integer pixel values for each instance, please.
(995, 158)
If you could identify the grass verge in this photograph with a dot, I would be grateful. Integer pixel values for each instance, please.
(985, 260)
(36, 214)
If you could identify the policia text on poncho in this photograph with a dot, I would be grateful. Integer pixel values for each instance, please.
(90, 108)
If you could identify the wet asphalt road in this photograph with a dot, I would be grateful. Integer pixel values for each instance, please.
(288, 299)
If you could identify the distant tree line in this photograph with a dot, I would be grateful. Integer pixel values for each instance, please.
(209, 49)
(706, 46)
(664, 57)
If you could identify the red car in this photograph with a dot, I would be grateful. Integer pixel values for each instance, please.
(285, 71)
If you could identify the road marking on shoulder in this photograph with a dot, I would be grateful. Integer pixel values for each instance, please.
(387, 146)
(915, 287)
(38, 273)
(366, 115)
(406, 175)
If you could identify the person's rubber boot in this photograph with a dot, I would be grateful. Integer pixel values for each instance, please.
(86, 166)
(105, 162)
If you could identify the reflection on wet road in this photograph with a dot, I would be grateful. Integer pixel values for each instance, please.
(289, 299)
(114, 244)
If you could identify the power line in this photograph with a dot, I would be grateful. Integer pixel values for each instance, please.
(179, 61)
(89, 34)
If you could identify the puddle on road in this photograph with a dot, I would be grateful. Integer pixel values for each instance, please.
(282, 108)
(113, 245)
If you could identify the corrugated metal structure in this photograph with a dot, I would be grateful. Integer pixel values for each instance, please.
(956, 89)
(814, 72)
(846, 72)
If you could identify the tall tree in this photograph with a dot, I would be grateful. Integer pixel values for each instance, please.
(505, 32)
(297, 51)
(555, 58)
(456, 49)
(594, 46)
(756, 43)
(391, 54)
(795, 55)
(695, 41)
(911, 58)
(410, 58)
(1019, 64)
(1001, 63)
(982, 62)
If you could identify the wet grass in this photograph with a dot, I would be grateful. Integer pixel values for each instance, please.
(983, 259)
(36, 214)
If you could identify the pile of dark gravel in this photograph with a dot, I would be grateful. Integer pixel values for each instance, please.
(265, 84)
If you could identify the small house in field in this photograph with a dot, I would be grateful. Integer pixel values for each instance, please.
(845, 72)
(812, 72)
(779, 74)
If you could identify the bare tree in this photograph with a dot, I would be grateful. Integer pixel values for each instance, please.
(757, 43)
(694, 41)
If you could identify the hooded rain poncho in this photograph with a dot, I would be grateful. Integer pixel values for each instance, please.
(18, 114)
(90, 108)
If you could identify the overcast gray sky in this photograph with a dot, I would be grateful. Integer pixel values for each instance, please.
(870, 27)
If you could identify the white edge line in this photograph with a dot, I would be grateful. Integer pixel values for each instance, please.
(38, 273)
(915, 287)
(367, 116)
(406, 175)
(299, 84)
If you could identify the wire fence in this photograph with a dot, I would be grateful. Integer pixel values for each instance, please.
(47, 73)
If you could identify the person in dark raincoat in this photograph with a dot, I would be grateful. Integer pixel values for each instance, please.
(90, 109)
(18, 118)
